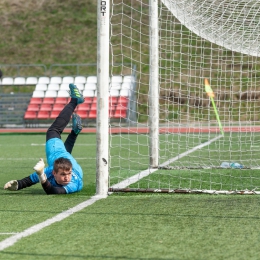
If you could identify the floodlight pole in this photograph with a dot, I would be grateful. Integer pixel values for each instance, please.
(154, 85)
(102, 128)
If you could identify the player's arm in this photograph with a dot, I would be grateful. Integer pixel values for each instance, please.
(46, 185)
(50, 189)
(14, 185)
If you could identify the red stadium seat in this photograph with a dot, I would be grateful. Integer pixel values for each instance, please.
(83, 114)
(83, 107)
(30, 115)
(92, 114)
(43, 115)
(88, 100)
(54, 114)
(33, 107)
(46, 107)
(120, 112)
(122, 100)
(113, 100)
(61, 100)
(36, 100)
(57, 107)
(93, 106)
(48, 100)
(111, 113)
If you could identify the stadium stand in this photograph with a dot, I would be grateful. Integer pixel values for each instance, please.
(51, 95)
(13, 108)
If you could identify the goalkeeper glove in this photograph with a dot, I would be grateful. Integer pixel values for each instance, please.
(11, 185)
(39, 168)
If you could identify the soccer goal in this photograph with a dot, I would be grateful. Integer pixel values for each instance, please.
(182, 140)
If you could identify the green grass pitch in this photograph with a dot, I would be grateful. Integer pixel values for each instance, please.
(122, 226)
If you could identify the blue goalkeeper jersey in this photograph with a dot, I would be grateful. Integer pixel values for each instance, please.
(55, 149)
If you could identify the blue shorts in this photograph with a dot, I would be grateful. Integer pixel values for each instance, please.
(55, 149)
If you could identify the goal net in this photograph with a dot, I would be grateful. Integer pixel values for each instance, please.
(197, 40)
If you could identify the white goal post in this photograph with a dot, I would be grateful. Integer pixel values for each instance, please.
(173, 143)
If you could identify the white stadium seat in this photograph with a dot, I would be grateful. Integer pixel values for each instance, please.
(56, 80)
(38, 93)
(7, 81)
(88, 93)
(124, 92)
(42, 87)
(116, 79)
(68, 80)
(19, 81)
(91, 86)
(92, 79)
(51, 93)
(44, 80)
(63, 93)
(115, 85)
(80, 79)
(54, 86)
(114, 93)
(64, 86)
(128, 78)
(31, 81)
(126, 85)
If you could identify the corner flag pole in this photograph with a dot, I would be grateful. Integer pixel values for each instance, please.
(211, 95)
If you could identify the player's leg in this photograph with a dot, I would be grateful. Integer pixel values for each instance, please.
(55, 147)
(61, 121)
(76, 128)
(63, 118)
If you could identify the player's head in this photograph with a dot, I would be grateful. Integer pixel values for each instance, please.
(62, 169)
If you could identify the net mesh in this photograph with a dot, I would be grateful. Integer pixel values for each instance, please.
(197, 40)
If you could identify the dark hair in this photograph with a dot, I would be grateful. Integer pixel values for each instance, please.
(62, 163)
(1, 74)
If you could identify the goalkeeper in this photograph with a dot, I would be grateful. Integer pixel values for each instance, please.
(64, 174)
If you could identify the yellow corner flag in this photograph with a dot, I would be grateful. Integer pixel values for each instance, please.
(211, 95)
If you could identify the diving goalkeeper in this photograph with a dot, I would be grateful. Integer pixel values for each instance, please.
(63, 175)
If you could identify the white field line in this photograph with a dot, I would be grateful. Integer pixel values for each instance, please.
(27, 232)
(145, 173)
